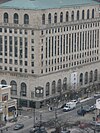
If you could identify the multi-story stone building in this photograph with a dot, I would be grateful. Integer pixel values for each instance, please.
(48, 48)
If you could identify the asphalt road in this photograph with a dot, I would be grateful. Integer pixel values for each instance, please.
(44, 115)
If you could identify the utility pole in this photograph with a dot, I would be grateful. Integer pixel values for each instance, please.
(40, 120)
(56, 118)
(33, 117)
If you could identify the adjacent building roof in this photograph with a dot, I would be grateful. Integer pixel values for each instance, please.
(44, 4)
(2, 86)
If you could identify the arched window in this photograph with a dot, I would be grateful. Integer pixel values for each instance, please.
(78, 15)
(59, 86)
(81, 79)
(67, 16)
(83, 14)
(72, 16)
(92, 13)
(47, 89)
(55, 18)
(53, 87)
(91, 76)
(43, 19)
(95, 75)
(13, 87)
(26, 19)
(3, 82)
(6, 18)
(86, 77)
(65, 84)
(23, 91)
(88, 13)
(61, 17)
(16, 18)
(49, 18)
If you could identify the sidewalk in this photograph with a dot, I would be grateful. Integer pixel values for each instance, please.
(9, 124)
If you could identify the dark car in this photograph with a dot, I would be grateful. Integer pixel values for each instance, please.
(97, 95)
(87, 108)
(18, 126)
(81, 112)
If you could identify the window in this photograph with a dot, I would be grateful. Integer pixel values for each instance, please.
(13, 87)
(16, 19)
(95, 75)
(64, 84)
(53, 87)
(86, 77)
(23, 91)
(81, 79)
(32, 64)
(91, 76)
(88, 14)
(61, 17)
(49, 18)
(59, 86)
(47, 89)
(92, 13)
(55, 18)
(26, 19)
(72, 16)
(67, 16)
(25, 63)
(5, 17)
(83, 14)
(5, 97)
(3, 82)
(43, 19)
(78, 15)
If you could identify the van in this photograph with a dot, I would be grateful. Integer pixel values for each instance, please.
(69, 106)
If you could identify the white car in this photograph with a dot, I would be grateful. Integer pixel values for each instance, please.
(75, 101)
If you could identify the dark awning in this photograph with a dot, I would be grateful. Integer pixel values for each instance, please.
(11, 109)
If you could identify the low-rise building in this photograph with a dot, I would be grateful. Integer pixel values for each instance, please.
(8, 106)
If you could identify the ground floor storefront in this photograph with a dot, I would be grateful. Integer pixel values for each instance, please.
(83, 92)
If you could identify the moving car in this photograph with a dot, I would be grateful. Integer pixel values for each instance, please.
(81, 112)
(69, 106)
(75, 101)
(18, 126)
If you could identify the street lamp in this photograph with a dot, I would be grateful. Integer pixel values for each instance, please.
(20, 101)
(33, 117)
(5, 119)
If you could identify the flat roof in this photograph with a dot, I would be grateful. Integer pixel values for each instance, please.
(44, 4)
(2, 86)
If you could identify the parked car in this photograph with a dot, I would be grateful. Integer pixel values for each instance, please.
(67, 131)
(85, 109)
(18, 126)
(93, 107)
(38, 130)
(97, 95)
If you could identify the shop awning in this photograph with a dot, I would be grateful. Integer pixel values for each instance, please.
(11, 109)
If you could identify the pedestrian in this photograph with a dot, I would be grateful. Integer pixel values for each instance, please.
(17, 114)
